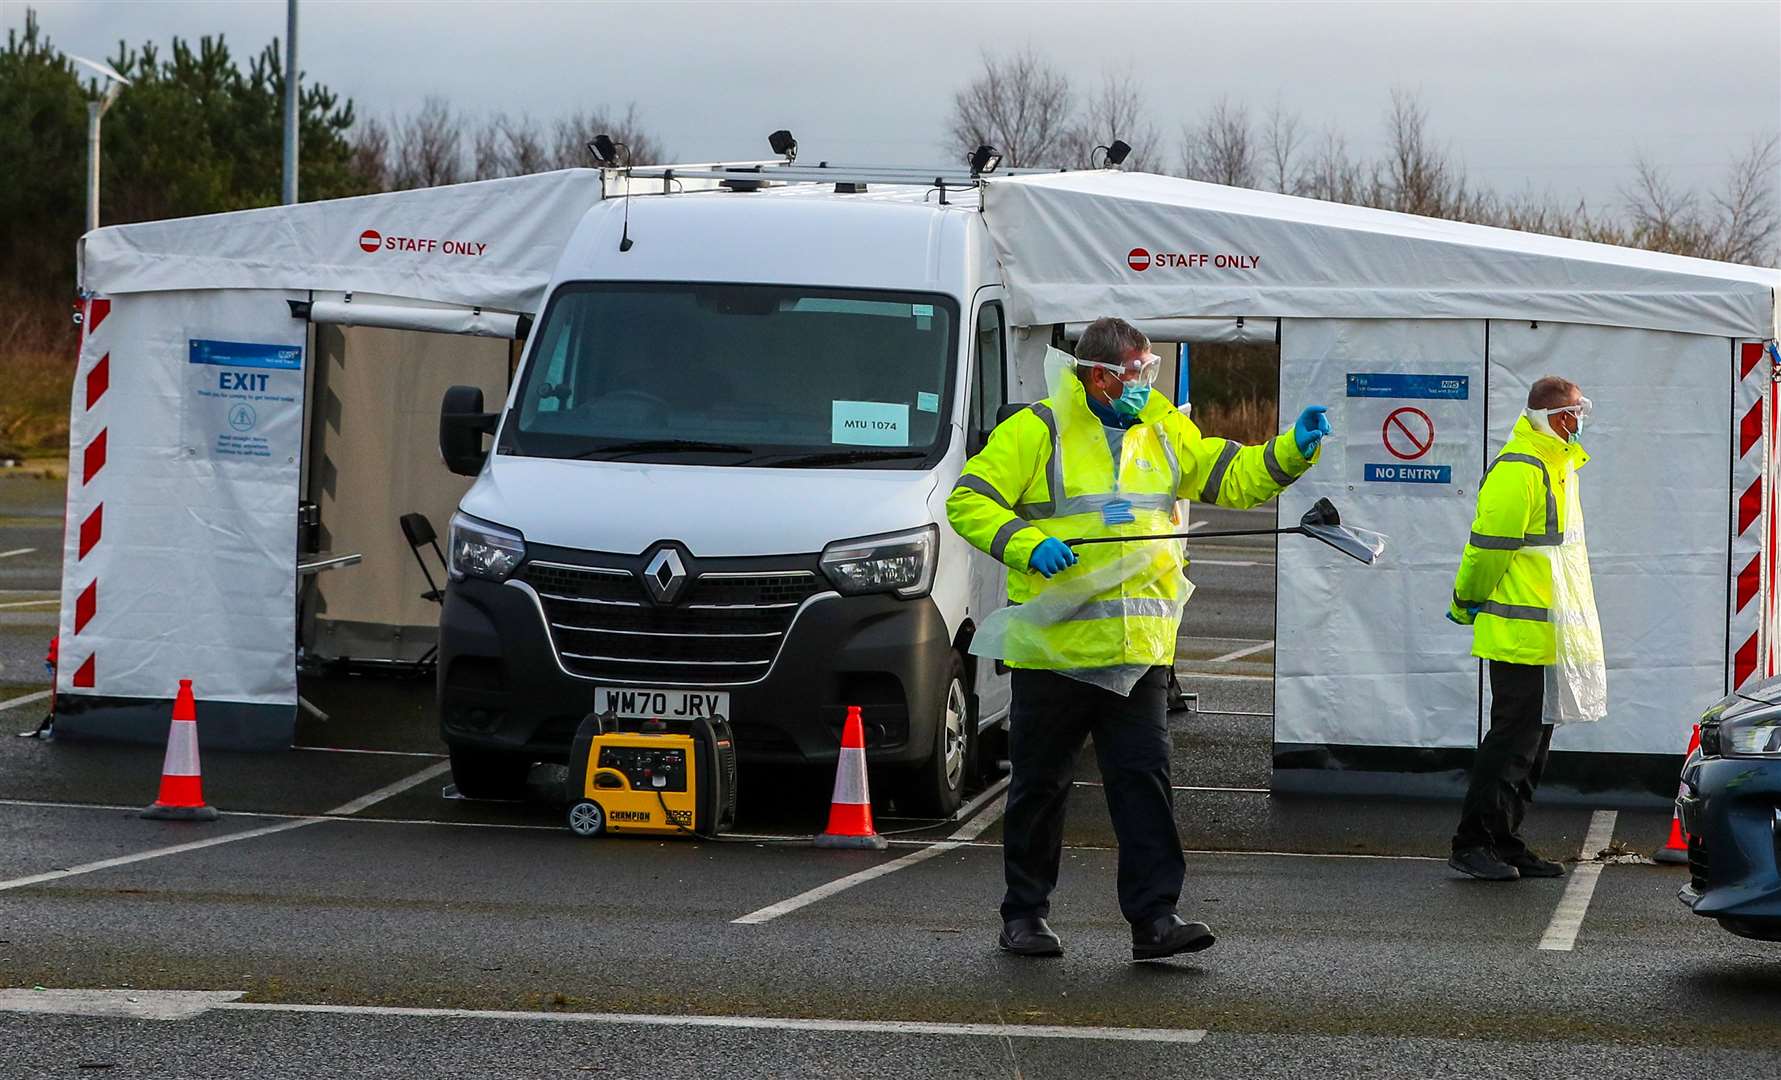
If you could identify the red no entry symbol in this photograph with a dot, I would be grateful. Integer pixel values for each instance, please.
(1408, 433)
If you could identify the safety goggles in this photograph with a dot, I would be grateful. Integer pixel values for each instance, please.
(1140, 370)
(1581, 411)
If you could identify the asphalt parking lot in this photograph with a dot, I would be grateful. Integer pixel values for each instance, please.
(343, 918)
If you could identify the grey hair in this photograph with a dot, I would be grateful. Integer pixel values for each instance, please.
(1553, 392)
(1108, 340)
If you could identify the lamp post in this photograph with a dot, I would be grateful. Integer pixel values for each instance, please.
(115, 84)
(291, 102)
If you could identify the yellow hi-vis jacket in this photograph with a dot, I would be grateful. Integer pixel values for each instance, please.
(1048, 470)
(1506, 572)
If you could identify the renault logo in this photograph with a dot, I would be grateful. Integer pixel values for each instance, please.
(665, 576)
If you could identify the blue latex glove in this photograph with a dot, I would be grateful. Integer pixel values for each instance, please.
(1118, 512)
(1311, 427)
(1052, 556)
(1471, 613)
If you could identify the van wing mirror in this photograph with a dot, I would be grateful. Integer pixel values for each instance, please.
(1008, 410)
(462, 424)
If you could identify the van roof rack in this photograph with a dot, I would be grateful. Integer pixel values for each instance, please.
(755, 173)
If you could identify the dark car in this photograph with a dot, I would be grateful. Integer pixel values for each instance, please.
(1730, 807)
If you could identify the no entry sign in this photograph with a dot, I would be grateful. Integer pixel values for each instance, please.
(1408, 433)
(1413, 427)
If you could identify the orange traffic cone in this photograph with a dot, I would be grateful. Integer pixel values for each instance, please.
(850, 811)
(1675, 849)
(182, 788)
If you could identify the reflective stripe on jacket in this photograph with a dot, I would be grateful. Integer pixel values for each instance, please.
(1506, 571)
(1048, 471)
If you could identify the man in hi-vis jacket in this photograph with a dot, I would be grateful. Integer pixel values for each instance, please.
(1103, 456)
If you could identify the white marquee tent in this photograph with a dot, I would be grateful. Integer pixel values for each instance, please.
(1421, 335)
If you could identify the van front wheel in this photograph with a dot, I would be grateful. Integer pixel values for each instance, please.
(936, 787)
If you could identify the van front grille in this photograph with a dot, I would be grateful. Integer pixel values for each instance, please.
(727, 628)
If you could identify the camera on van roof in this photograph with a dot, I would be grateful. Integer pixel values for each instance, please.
(784, 145)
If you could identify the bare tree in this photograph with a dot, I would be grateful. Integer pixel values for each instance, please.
(429, 148)
(1116, 111)
(1747, 227)
(1221, 147)
(1419, 178)
(1280, 144)
(1663, 217)
(567, 148)
(509, 146)
(1333, 174)
(371, 153)
(1021, 105)
(488, 157)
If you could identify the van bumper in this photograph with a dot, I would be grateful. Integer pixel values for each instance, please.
(501, 688)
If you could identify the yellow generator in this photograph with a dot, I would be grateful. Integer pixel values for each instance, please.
(663, 778)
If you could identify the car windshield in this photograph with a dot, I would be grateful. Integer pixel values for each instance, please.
(762, 375)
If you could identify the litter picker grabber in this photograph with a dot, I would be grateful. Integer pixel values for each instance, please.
(1321, 523)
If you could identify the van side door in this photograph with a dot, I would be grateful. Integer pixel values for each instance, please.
(989, 392)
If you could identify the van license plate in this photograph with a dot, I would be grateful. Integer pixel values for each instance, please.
(637, 703)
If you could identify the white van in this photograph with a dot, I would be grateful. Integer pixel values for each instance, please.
(719, 485)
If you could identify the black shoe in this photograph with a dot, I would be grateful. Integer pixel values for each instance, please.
(1168, 935)
(1483, 864)
(1030, 937)
(1527, 864)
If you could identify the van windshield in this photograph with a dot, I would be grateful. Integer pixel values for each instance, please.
(762, 375)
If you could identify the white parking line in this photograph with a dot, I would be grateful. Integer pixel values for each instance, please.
(1189, 787)
(364, 802)
(1241, 653)
(742, 838)
(31, 603)
(186, 1004)
(344, 809)
(354, 750)
(16, 551)
(1561, 933)
(970, 831)
(153, 853)
(1224, 562)
(25, 700)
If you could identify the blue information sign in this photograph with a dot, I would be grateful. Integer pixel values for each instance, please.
(1410, 474)
(1375, 384)
(246, 354)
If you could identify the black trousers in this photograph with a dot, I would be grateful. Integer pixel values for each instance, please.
(1511, 758)
(1053, 715)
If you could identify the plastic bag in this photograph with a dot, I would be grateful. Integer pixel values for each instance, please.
(1577, 679)
(1017, 633)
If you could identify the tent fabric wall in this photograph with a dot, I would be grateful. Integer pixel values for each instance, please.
(179, 559)
(376, 457)
(1364, 655)
(1365, 658)
(1655, 495)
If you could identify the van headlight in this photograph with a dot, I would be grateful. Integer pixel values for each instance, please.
(901, 563)
(481, 550)
(1757, 737)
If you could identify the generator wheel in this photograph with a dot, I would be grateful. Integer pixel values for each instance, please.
(587, 819)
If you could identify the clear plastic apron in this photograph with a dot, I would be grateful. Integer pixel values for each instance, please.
(1577, 679)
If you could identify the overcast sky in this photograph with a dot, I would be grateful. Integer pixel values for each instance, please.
(1551, 96)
